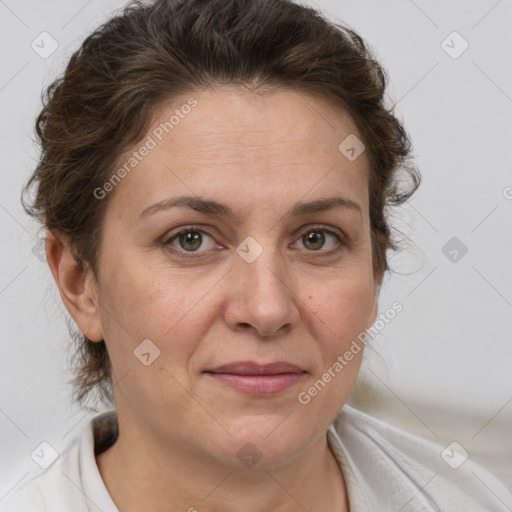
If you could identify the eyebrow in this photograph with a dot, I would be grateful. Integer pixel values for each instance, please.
(211, 207)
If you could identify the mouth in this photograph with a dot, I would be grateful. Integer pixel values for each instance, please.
(258, 379)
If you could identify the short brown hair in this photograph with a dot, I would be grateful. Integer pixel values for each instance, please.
(104, 102)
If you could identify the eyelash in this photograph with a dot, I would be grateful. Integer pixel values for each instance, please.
(196, 254)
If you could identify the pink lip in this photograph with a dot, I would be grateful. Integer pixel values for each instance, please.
(252, 368)
(255, 379)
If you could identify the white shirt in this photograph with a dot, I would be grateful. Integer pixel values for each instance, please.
(386, 470)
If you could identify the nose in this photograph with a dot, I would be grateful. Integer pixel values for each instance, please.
(261, 296)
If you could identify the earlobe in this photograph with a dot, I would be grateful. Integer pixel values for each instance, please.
(77, 286)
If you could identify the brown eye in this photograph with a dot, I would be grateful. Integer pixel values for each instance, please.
(190, 240)
(314, 240)
(317, 239)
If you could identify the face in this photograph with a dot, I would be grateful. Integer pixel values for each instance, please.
(242, 273)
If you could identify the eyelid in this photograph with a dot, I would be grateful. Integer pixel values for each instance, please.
(342, 240)
(192, 227)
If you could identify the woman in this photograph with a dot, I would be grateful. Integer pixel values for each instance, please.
(213, 180)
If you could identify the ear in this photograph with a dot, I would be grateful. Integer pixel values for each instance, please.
(77, 286)
(378, 275)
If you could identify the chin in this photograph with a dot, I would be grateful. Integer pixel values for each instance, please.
(264, 442)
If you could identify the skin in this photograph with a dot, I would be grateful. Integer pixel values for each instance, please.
(180, 430)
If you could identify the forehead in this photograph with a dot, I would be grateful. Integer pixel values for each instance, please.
(230, 140)
(238, 118)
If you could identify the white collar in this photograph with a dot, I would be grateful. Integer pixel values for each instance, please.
(97, 497)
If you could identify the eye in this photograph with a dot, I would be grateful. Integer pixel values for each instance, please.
(190, 240)
(315, 239)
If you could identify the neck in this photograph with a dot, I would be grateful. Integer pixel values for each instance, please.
(142, 473)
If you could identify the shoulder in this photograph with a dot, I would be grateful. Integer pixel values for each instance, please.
(72, 482)
(397, 469)
(56, 488)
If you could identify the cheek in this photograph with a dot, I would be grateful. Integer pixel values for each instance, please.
(140, 305)
(143, 302)
(338, 315)
(341, 309)
(139, 297)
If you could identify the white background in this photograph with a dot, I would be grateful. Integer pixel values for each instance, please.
(443, 367)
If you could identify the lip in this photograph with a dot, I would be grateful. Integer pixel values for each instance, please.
(258, 379)
(252, 368)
